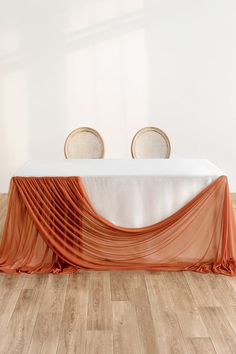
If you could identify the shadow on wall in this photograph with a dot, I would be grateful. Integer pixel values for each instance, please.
(66, 65)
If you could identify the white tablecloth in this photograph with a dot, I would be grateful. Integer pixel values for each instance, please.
(133, 193)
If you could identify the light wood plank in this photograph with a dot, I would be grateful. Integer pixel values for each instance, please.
(201, 290)
(18, 332)
(184, 305)
(100, 341)
(162, 306)
(45, 336)
(123, 283)
(223, 290)
(140, 299)
(74, 320)
(219, 329)
(46, 333)
(171, 345)
(11, 287)
(200, 346)
(126, 338)
(99, 302)
(230, 314)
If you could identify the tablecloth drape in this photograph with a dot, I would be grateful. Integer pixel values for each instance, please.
(132, 192)
(51, 226)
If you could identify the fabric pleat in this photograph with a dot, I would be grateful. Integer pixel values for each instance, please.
(52, 227)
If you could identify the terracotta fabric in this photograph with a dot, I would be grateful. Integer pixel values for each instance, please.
(52, 227)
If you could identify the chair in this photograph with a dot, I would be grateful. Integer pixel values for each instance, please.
(150, 142)
(84, 143)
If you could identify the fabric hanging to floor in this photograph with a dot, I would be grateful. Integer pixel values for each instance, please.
(52, 227)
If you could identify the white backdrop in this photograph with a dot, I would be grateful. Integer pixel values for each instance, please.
(117, 65)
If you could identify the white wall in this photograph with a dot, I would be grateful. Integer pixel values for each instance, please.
(117, 65)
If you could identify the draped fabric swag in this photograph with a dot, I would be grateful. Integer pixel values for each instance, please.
(52, 227)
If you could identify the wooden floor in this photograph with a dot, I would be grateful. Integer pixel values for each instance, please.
(127, 312)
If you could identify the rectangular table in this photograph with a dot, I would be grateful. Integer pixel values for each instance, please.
(133, 193)
(119, 214)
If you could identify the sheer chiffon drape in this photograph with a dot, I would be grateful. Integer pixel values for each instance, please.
(51, 226)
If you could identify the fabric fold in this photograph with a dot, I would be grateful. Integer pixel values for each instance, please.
(52, 227)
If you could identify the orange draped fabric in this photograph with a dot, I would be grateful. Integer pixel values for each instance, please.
(51, 227)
